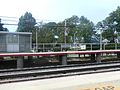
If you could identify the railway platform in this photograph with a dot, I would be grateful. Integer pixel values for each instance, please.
(94, 55)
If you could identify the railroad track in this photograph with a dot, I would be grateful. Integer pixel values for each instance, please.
(58, 66)
(16, 75)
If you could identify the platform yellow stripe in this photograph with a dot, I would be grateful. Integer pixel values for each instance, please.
(101, 86)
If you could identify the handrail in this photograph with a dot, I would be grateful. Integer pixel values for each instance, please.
(75, 46)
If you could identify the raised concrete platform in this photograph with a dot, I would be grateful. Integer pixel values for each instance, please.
(95, 55)
(59, 53)
(99, 81)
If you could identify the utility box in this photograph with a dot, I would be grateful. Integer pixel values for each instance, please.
(15, 41)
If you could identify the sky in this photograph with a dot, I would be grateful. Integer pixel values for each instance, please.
(56, 10)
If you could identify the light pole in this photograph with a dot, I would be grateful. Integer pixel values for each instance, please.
(75, 37)
(37, 27)
(36, 36)
(56, 37)
(116, 35)
(101, 29)
(36, 41)
(115, 32)
(65, 33)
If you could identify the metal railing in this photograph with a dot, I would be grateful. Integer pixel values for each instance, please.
(45, 47)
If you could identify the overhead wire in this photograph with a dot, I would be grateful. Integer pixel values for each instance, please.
(6, 20)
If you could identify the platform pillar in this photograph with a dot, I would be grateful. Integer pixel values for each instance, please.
(118, 55)
(20, 62)
(92, 57)
(30, 57)
(98, 57)
(63, 59)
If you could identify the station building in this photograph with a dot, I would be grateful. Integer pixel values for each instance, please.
(15, 41)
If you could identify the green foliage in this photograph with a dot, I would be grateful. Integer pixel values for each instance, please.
(86, 29)
(115, 17)
(74, 20)
(76, 29)
(108, 34)
(2, 28)
(26, 23)
(45, 36)
(113, 24)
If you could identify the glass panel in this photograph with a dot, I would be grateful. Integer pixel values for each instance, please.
(9, 38)
(12, 38)
(15, 38)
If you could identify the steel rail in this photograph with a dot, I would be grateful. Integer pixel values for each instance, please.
(7, 77)
(52, 67)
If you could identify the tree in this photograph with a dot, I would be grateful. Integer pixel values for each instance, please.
(77, 29)
(60, 32)
(2, 28)
(108, 34)
(74, 20)
(85, 29)
(45, 35)
(26, 23)
(114, 17)
(46, 32)
(112, 22)
(72, 28)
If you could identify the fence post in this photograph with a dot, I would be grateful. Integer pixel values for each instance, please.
(43, 47)
(115, 45)
(91, 46)
(61, 46)
(104, 46)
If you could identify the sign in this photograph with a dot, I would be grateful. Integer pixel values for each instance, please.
(82, 47)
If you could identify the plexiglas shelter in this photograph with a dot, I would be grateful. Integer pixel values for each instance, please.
(15, 41)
